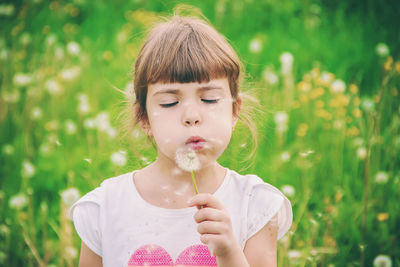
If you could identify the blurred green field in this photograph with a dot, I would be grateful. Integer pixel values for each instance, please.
(327, 77)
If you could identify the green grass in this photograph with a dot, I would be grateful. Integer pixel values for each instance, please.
(318, 154)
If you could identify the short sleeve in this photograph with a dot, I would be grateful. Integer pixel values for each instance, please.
(86, 217)
(265, 201)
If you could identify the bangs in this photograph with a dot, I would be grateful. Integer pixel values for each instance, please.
(184, 53)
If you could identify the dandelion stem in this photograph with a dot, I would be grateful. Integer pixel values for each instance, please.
(194, 182)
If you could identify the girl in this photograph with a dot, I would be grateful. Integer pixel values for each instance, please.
(186, 83)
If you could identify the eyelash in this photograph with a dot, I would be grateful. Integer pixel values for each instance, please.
(207, 101)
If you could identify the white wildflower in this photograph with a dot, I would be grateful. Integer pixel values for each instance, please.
(381, 177)
(36, 113)
(53, 87)
(6, 10)
(288, 190)
(73, 48)
(337, 87)
(270, 76)
(338, 124)
(70, 127)
(358, 141)
(70, 196)
(294, 255)
(70, 253)
(361, 152)
(11, 97)
(18, 201)
(59, 52)
(382, 261)
(286, 60)
(382, 50)
(111, 132)
(28, 169)
(326, 78)
(70, 74)
(281, 121)
(285, 156)
(83, 106)
(4, 54)
(25, 38)
(89, 123)
(119, 158)
(367, 104)
(51, 39)
(255, 45)
(306, 153)
(22, 79)
(8, 149)
(187, 159)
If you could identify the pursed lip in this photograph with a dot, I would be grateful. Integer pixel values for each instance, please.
(195, 142)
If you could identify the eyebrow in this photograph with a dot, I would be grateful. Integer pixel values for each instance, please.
(177, 91)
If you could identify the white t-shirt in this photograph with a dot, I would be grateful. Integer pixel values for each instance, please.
(125, 230)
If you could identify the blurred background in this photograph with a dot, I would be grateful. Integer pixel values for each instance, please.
(326, 75)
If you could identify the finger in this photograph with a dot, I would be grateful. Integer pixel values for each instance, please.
(210, 227)
(208, 214)
(205, 200)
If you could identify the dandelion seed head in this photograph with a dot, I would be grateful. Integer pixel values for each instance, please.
(382, 261)
(70, 195)
(381, 177)
(25, 38)
(70, 127)
(187, 159)
(338, 87)
(18, 202)
(53, 87)
(28, 169)
(270, 76)
(8, 149)
(255, 45)
(285, 156)
(6, 10)
(11, 97)
(382, 49)
(119, 158)
(73, 48)
(70, 74)
(22, 79)
(288, 190)
(361, 152)
(286, 60)
(70, 253)
(36, 113)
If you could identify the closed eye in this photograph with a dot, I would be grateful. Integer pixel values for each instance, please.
(210, 101)
(168, 105)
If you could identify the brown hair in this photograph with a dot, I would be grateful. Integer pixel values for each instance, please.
(184, 49)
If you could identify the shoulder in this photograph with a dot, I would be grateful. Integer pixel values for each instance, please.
(110, 186)
(263, 202)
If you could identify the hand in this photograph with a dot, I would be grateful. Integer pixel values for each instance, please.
(214, 225)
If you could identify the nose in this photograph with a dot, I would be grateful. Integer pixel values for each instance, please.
(191, 116)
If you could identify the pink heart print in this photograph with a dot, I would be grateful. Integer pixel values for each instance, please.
(154, 255)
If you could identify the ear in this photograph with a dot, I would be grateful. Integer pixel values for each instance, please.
(236, 111)
(145, 126)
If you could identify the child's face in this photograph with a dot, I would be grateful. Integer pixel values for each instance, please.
(191, 115)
